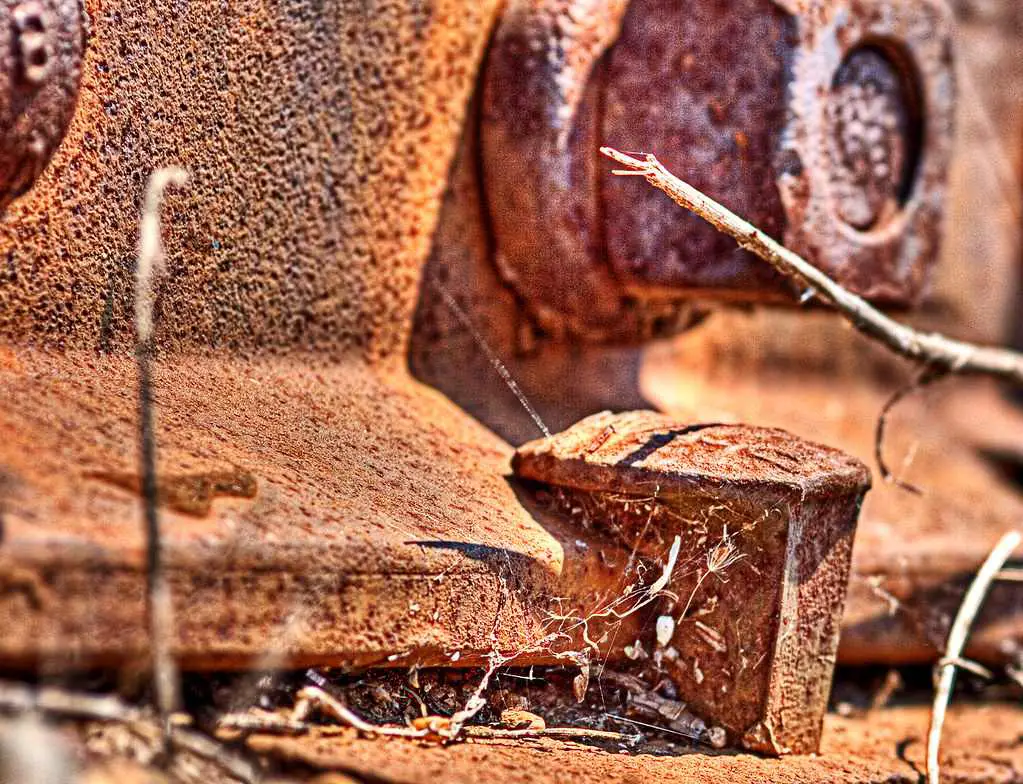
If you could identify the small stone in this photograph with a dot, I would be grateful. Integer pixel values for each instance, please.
(665, 629)
(522, 720)
(580, 683)
(716, 737)
(635, 651)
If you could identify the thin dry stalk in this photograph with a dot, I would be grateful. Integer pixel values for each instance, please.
(922, 380)
(937, 352)
(314, 697)
(957, 637)
(161, 615)
(488, 733)
(60, 703)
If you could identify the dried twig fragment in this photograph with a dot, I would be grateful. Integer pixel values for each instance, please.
(150, 264)
(59, 703)
(957, 641)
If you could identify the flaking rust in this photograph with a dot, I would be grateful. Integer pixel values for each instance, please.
(766, 522)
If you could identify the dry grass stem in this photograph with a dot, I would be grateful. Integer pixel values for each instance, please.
(160, 610)
(314, 697)
(957, 636)
(444, 729)
(438, 728)
(921, 380)
(937, 352)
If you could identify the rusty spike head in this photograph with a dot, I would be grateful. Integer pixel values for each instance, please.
(764, 523)
(42, 43)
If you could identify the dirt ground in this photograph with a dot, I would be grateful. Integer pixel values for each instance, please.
(982, 743)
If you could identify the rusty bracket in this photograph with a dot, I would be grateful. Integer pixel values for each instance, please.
(42, 43)
(765, 520)
(827, 124)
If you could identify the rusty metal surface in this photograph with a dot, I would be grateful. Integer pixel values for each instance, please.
(703, 86)
(804, 372)
(351, 548)
(766, 524)
(538, 151)
(40, 67)
(828, 125)
(914, 553)
(318, 137)
(890, 260)
(305, 228)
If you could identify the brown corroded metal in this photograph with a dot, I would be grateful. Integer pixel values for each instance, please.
(826, 124)
(703, 85)
(804, 372)
(875, 135)
(765, 522)
(540, 181)
(313, 513)
(41, 46)
(873, 87)
(317, 137)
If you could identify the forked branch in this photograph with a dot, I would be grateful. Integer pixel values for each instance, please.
(940, 354)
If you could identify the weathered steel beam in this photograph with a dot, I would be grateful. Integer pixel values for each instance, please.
(311, 515)
(765, 522)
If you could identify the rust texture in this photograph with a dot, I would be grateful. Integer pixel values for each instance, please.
(826, 124)
(538, 151)
(331, 547)
(875, 134)
(836, 143)
(41, 42)
(317, 177)
(766, 522)
(317, 136)
(703, 85)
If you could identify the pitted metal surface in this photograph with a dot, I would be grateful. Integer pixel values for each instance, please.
(836, 215)
(703, 86)
(317, 136)
(875, 138)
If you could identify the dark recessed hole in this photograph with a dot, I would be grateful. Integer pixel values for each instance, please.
(876, 133)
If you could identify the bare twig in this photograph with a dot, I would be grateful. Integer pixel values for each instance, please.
(546, 732)
(957, 641)
(231, 724)
(445, 730)
(668, 730)
(928, 376)
(936, 352)
(150, 265)
(59, 703)
(314, 697)
(1011, 575)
